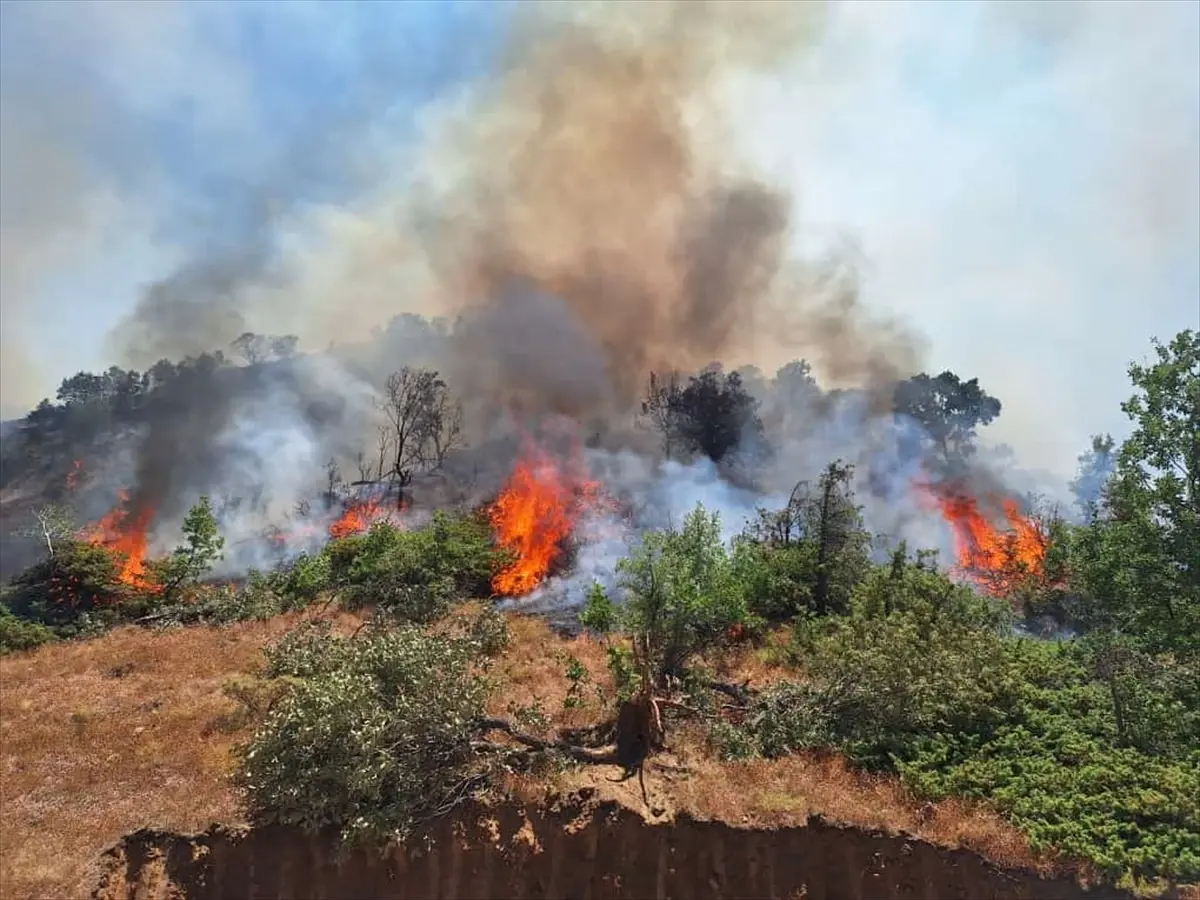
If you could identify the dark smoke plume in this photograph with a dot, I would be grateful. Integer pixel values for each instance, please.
(595, 176)
(599, 226)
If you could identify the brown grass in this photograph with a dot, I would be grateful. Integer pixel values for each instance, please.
(100, 738)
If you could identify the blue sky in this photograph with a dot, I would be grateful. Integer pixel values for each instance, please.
(1022, 179)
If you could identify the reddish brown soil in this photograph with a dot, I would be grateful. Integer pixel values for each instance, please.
(572, 850)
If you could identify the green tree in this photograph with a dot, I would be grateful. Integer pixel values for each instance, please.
(192, 560)
(949, 410)
(1139, 563)
(683, 593)
(811, 553)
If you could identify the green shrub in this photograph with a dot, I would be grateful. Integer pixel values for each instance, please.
(683, 593)
(17, 634)
(489, 632)
(373, 739)
(1053, 767)
(414, 575)
(302, 581)
(79, 584)
(920, 680)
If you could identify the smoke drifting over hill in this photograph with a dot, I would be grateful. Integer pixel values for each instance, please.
(581, 209)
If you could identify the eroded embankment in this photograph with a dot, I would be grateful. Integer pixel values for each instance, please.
(568, 852)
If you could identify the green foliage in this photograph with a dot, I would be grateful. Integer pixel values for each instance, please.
(1087, 746)
(415, 575)
(76, 586)
(1055, 768)
(489, 632)
(599, 613)
(302, 581)
(808, 555)
(683, 594)
(203, 546)
(917, 654)
(373, 739)
(1138, 565)
(18, 634)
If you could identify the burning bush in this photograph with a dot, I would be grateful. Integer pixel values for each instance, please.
(80, 582)
(102, 578)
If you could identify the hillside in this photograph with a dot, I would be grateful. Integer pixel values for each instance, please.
(135, 729)
(391, 660)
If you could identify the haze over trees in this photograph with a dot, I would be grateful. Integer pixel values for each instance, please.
(1086, 742)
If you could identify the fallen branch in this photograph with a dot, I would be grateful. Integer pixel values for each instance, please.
(580, 754)
(739, 692)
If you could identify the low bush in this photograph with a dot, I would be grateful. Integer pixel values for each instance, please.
(1090, 758)
(374, 737)
(17, 634)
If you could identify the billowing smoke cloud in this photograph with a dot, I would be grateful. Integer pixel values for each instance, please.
(594, 173)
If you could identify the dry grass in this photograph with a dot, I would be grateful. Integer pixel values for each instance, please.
(758, 793)
(103, 737)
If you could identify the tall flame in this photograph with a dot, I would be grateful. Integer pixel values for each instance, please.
(533, 517)
(994, 558)
(126, 532)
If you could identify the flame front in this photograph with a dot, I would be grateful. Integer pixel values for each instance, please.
(358, 517)
(993, 558)
(533, 517)
(127, 533)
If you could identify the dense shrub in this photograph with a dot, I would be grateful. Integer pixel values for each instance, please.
(415, 574)
(683, 592)
(374, 737)
(1086, 757)
(79, 584)
(19, 634)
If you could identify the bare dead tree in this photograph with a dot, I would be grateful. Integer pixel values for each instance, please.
(333, 481)
(421, 424)
(364, 468)
(51, 524)
(444, 428)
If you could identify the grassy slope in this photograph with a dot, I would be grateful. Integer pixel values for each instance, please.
(102, 737)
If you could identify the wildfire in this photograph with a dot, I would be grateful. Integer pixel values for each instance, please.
(359, 516)
(533, 517)
(994, 558)
(74, 475)
(127, 533)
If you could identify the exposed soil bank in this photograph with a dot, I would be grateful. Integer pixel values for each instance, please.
(567, 852)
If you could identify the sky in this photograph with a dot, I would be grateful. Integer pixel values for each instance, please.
(1021, 180)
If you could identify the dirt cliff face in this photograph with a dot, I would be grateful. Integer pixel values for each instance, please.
(570, 851)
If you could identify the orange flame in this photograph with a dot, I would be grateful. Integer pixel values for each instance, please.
(126, 533)
(74, 475)
(533, 516)
(993, 558)
(359, 516)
